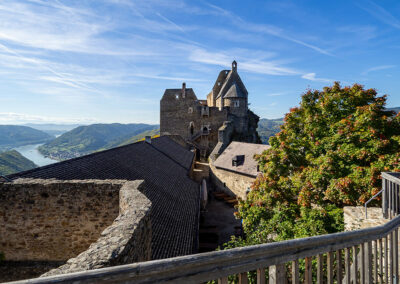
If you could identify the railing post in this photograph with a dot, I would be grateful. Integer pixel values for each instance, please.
(261, 276)
(384, 198)
(277, 274)
(368, 263)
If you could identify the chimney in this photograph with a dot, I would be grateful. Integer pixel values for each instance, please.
(147, 139)
(183, 90)
(234, 66)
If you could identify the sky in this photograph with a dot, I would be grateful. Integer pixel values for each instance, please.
(66, 61)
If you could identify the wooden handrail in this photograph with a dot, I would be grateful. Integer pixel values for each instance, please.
(203, 267)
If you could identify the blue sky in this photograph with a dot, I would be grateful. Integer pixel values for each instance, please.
(111, 60)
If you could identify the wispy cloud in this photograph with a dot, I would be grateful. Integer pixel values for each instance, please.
(21, 118)
(380, 13)
(378, 68)
(313, 77)
(253, 65)
(264, 29)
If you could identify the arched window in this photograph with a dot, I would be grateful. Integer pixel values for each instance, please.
(191, 127)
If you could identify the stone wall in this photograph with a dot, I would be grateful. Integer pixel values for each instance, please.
(55, 220)
(52, 220)
(127, 240)
(231, 183)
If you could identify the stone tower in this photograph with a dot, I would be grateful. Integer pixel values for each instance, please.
(210, 125)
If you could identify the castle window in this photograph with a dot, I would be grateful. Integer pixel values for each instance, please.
(176, 96)
(191, 127)
(190, 110)
(236, 103)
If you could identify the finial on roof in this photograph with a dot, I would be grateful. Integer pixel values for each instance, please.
(234, 65)
(183, 90)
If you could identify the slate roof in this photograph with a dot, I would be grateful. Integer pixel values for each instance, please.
(249, 167)
(231, 79)
(234, 92)
(163, 165)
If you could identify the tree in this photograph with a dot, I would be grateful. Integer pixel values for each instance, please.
(329, 153)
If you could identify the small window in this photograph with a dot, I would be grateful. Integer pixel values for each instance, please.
(176, 96)
(236, 103)
(190, 110)
(219, 83)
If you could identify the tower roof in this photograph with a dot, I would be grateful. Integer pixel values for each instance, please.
(233, 85)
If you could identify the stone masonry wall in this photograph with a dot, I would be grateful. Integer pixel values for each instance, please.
(229, 182)
(50, 220)
(127, 240)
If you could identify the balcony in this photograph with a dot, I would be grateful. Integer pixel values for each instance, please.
(363, 256)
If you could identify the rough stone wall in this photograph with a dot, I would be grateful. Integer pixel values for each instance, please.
(231, 183)
(54, 220)
(127, 240)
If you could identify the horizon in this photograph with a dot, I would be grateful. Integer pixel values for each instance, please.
(113, 59)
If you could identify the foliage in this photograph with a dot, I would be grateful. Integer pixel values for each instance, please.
(330, 153)
(13, 162)
(15, 135)
(268, 128)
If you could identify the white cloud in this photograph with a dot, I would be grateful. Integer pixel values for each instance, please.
(312, 77)
(378, 68)
(19, 118)
(253, 65)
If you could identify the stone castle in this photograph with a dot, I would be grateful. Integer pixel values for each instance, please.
(210, 125)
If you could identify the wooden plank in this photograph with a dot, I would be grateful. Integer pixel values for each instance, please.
(368, 263)
(329, 268)
(223, 280)
(243, 278)
(395, 236)
(261, 276)
(308, 271)
(339, 266)
(347, 265)
(362, 264)
(295, 272)
(384, 197)
(390, 255)
(375, 244)
(354, 273)
(320, 271)
(277, 274)
(386, 261)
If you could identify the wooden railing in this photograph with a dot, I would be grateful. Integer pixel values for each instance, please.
(363, 256)
(390, 199)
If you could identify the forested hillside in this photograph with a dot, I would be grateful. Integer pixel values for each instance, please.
(268, 127)
(13, 162)
(15, 135)
(88, 139)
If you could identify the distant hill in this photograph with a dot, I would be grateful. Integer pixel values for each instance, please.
(13, 162)
(88, 139)
(268, 127)
(53, 129)
(396, 109)
(15, 135)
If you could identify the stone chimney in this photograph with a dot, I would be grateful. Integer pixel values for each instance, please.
(183, 90)
(147, 139)
(234, 66)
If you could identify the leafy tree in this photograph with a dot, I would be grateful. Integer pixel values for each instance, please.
(329, 153)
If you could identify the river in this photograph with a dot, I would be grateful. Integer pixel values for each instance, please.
(32, 153)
